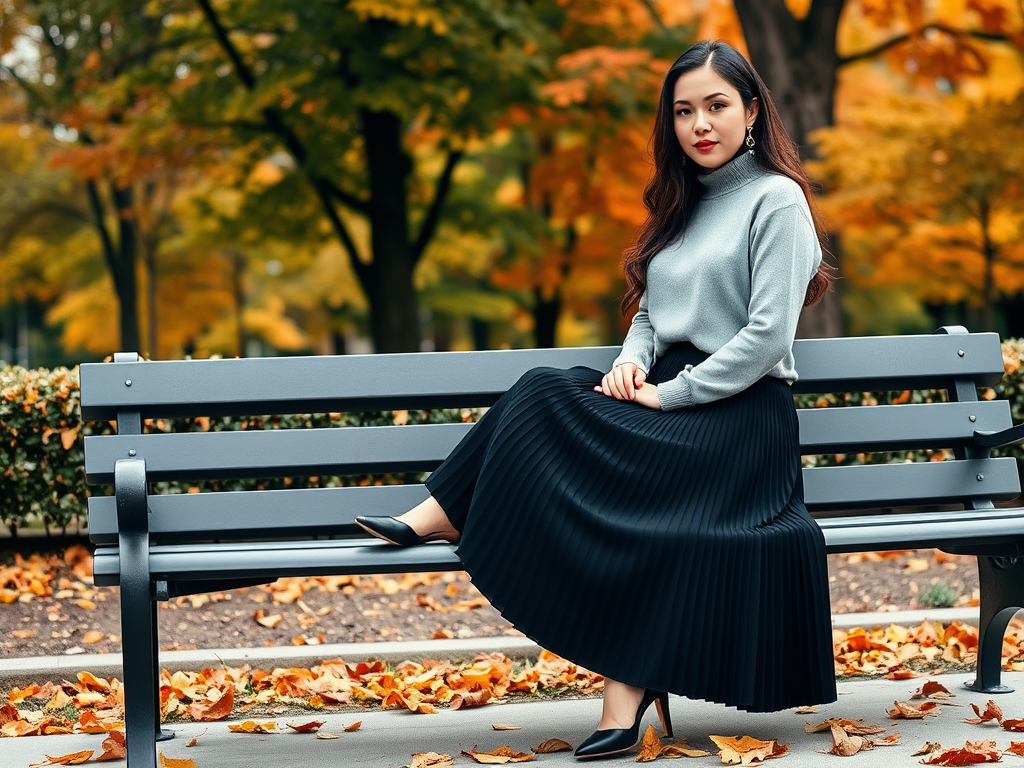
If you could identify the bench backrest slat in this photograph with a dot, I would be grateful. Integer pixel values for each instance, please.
(330, 511)
(422, 447)
(466, 379)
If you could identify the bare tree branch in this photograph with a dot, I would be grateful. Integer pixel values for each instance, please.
(444, 183)
(326, 190)
(899, 39)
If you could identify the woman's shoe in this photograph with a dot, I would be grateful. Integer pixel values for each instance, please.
(396, 532)
(612, 741)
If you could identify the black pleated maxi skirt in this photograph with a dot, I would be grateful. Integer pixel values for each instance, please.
(664, 549)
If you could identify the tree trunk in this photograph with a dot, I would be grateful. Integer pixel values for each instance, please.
(124, 270)
(798, 61)
(394, 320)
(545, 318)
(989, 249)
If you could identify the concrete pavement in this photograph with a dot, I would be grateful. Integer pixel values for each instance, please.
(388, 739)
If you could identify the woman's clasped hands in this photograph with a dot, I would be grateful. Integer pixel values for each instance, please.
(626, 382)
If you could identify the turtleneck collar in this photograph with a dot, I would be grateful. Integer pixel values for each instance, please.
(741, 170)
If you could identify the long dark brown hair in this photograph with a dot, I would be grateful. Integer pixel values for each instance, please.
(673, 192)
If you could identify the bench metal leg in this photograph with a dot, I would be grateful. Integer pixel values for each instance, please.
(141, 684)
(1002, 595)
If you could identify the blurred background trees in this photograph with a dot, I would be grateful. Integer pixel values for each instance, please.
(202, 177)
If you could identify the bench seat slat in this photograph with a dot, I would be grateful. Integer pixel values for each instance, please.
(422, 447)
(328, 383)
(329, 511)
(188, 562)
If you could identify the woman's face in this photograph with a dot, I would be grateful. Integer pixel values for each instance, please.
(710, 121)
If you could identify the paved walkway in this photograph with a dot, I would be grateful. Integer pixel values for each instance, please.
(388, 739)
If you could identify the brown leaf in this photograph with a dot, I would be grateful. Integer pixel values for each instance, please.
(908, 711)
(75, 758)
(681, 749)
(845, 745)
(19, 728)
(310, 727)
(932, 690)
(175, 762)
(324, 735)
(650, 746)
(114, 747)
(206, 710)
(353, 727)
(250, 726)
(1016, 748)
(430, 760)
(551, 745)
(888, 741)
(267, 621)
(23, 634)
(1013, 725)
(499, 727)
(465, 700)
(858, 727)
(992, 712)
(502, 754)
(971, 753)
(747, 749)
(927, 748)
(805, 711)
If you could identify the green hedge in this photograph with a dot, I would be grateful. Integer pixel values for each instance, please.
(41, 449)
(41, 455)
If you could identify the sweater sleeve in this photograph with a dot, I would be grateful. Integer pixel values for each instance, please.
(638, 346)
(784, 253)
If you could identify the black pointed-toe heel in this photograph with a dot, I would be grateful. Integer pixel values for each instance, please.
(396, 532)
(613, 741)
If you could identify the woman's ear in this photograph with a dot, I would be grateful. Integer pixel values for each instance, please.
(753, 109)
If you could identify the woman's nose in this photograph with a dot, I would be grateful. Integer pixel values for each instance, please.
(701, 124)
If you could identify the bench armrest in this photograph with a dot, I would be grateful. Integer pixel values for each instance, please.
(1011, 436)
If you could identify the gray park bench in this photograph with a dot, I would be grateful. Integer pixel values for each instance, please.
(159, 546)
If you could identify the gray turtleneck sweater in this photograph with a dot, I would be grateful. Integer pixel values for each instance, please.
(733, 285)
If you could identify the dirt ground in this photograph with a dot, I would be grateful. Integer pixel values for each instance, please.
(49, 606)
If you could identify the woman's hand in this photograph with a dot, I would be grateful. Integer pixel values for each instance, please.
(626, 382)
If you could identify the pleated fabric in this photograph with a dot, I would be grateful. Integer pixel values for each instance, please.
(664, 549)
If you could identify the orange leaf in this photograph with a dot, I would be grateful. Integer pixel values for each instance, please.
(353, 727)
(1016, 748)
(932, 690)
(859, 727)
(114, 747)
(500, 727)
(92, 637)
(650, 746)
(992, 712)
(681, 749)
(250, 726)
(908, 711)
(746, 749)
(500, 755)
(465, 700)
(68, 437)
(431, 760)
(207, 710)
(1013, 725)
(310, 727)
(172, 762)
(971, 753)
(75, 758)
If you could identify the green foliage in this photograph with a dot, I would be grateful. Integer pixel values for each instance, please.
(41, 447)
(938, 594)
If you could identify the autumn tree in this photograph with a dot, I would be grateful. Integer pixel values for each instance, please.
(938, 204)
(801, 47)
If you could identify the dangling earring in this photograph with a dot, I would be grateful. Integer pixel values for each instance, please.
(750, 140)
(684, 159)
